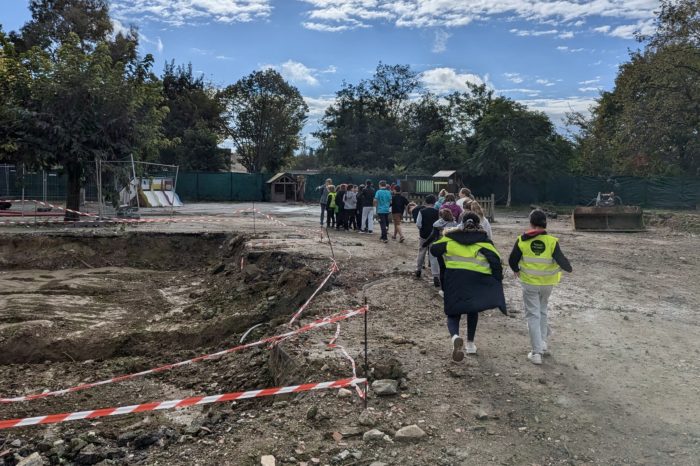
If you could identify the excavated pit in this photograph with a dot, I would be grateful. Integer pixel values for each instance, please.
(95, 297)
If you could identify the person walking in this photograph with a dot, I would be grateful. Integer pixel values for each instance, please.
(324, 197)
(350, 203)
(451, 203)
(426, 216)
(382, 201)
(537, 260)
(472, 280)
(398, 207)
(465, 197)
(368, 207)
(484, 222)
(358, 212)
(340, 206)
(331, 208)
(441, 198)
(445, 221)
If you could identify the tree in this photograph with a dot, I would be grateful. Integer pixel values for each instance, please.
(366, 126)
(429, 147)
(195, 124)
(265, 116)
(648, 124)
(74, 99)
(518, 142)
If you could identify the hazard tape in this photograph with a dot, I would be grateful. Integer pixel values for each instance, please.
(311, 326)
(334, 269)
(333, 344)
(173, 404)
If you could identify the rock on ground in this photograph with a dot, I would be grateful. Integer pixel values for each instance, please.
(386, 387)
(410, 433)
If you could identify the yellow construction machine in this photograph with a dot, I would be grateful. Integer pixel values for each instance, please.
(606, 213)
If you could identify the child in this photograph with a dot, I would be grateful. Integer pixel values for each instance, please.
(425, 216)
(340, 206)
(450, 203)
(441, 198)
(446, 220)
(472, 276)
(350, 202)
(537, 260)
(484, 222)
(330, 207)
(398, 207)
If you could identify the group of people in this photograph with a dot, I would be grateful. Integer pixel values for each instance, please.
(464, 262)
(351, 207)
(466, 266)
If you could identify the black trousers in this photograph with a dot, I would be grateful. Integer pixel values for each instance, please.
(472, 321)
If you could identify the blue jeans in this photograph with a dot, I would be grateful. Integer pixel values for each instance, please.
(323, 212)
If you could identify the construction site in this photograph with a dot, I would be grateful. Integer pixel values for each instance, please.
(129, 313)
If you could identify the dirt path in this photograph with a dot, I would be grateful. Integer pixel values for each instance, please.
(622, 385)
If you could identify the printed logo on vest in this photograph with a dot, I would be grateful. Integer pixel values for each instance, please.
(537, 247)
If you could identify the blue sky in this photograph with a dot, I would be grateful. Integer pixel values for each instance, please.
(554, 56)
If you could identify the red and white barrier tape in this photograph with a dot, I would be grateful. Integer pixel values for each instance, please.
(311, 326)
(161, 405)
(334, 345)
(334, 269)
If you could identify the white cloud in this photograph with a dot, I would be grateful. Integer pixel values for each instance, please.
(557, 109)
(602, 29)
(181, 12)
(159, 46)
(562, 48)
(445, 80)
(527, 92)
(324, 27)
(590, 81)
(588, 89)
(628, 31)
(223, 57)
(119, 28)
(536, 33)
(513, 77)
(566, 35)
(440, 42)
(545, 82)
(449, 13)
(318, 105)
(299, 73)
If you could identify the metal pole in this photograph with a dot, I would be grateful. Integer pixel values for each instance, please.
(23, 179)
(138, 185)
(177, 173)
(330, 244)
(254, 232)
(366, 359)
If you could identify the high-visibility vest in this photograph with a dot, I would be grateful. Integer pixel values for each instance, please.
(467, 256)
(537, 264)
(331, 203)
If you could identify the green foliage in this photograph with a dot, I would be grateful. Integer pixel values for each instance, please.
(366, 126)
(265, 115)
(72, 99)
(648, 125)
(194, 124)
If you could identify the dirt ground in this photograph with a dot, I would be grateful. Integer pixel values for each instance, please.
(622, 385)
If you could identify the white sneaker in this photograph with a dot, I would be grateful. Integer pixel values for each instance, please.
(535, 358)
(441, 293)
(545, 350)
(457, 345)
(470, 348)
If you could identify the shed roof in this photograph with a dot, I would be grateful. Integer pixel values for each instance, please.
(444, 173)
(279, 176)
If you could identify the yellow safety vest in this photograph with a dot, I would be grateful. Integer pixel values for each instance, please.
(331, 203)
(537, 264)
(467, 256)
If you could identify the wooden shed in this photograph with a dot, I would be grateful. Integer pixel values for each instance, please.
(283, 188)
(447, 179)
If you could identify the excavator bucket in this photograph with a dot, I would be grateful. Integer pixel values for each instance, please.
(613, 218)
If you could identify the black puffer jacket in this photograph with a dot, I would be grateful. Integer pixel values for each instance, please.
(468, 291)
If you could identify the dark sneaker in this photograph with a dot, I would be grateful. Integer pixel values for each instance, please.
(436, 282)
(457, 348)
(418, 273)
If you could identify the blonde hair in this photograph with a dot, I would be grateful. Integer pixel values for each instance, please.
(442, 193)
(331, 188)
(477, 209)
